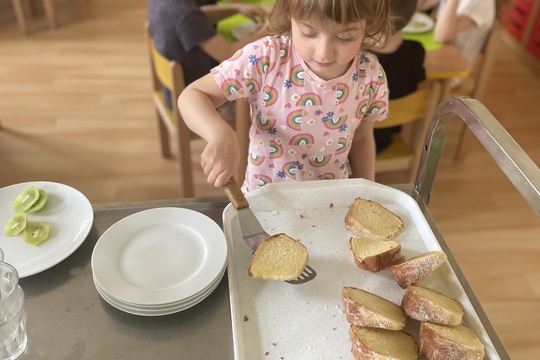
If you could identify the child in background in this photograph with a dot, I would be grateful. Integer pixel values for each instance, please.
(466, 24)
(184, 31)
(313, 89)
(402, 61)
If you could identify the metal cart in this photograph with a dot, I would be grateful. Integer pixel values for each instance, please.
(508, 155)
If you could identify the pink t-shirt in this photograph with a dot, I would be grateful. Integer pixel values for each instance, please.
(302, 126)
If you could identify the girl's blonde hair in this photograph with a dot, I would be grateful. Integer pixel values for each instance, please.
(378, 24)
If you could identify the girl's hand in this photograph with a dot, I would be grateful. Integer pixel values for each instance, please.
(220, 158)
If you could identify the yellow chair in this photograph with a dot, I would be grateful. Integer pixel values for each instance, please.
(169, 74)
(475, 85)
(414, 113)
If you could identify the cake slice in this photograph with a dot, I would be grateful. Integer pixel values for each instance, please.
(439, 342)
(415, 269)
(363, 308)
(369, 219)
(375, 255)
(381, 344)
(279, 257)
(424, 304)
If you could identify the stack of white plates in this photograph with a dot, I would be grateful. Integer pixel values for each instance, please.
(159, 261)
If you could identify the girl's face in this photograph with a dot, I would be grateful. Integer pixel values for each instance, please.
(328, 50)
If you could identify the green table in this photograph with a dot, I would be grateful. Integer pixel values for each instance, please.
(225, 26)
(425, 38)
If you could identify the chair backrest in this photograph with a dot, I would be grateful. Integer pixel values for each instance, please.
(169, 74)
(413, 112)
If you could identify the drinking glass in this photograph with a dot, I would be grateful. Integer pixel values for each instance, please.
(12, 313)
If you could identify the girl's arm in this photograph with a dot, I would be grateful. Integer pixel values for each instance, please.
(197, 104)
(449, 24)
(362, 155)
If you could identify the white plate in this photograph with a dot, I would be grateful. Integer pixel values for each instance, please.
(158, 310)
(187, 300)
(68, 212)
(159, 256)
(420, 22)
(243, 30)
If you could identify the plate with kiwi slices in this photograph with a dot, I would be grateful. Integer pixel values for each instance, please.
(43, 223)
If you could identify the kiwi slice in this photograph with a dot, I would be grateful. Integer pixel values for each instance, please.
(36, 233)
(40, 203)
(16, 224)
(26, 199)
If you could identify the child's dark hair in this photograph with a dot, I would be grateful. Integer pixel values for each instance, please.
(401, 12)
(375, 13)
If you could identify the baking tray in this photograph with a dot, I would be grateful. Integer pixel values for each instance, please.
(277, 320)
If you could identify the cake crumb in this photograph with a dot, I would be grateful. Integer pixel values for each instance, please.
(246, 318)
(266, 353)
(331, 205)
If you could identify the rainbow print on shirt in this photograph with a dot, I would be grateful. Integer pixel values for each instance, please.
(343, 93)
(362, 108)
(376, 106)
(319, 161)
(264, 65)
(252, 85)
(341, 146)
(231, 86)
(306, 140)
(263, 179)
(270, 95)
(294, 119)
(297, 76)
(309, 99)
(334, 123)
(256, 159)
(327, 176)
(290, 170)
(276, 150)
(265, 124)
(237, 55)
(370, 88)
(283, 54)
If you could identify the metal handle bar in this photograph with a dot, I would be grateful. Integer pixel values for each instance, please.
(512, 160)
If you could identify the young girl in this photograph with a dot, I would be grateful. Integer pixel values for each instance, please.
(312, 89)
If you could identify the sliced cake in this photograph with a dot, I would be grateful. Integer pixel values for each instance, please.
(363, 308)
(375, 255)
(381, 344)
(413, 270)
(279, 257)
(440, 342)
(424, 304)
(369, 219)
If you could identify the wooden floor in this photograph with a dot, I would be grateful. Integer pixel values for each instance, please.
(75, 108)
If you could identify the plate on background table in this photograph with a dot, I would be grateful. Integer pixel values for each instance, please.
(420, 22)
(68, 212)
(243, 30)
